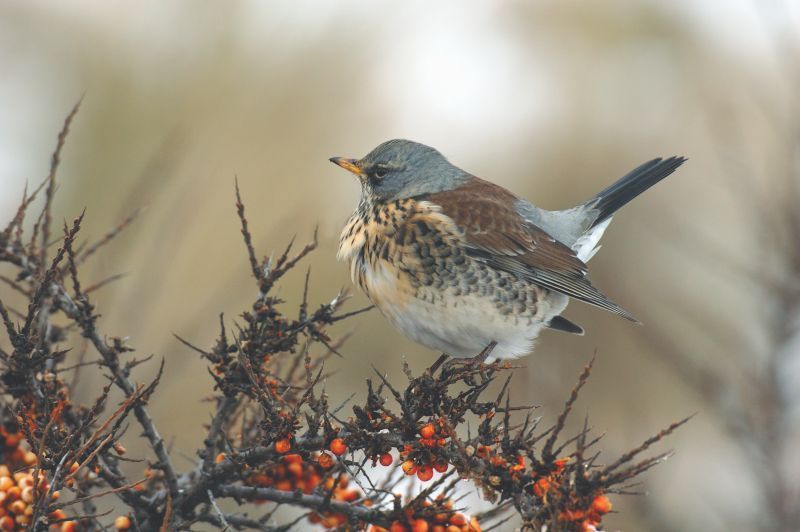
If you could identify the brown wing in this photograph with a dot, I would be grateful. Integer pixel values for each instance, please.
(496, 234)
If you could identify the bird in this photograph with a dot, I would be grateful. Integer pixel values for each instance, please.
(466, 267)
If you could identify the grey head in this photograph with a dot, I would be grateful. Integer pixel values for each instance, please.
(399, 169)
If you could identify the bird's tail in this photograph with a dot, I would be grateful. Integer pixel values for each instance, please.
(611, 199)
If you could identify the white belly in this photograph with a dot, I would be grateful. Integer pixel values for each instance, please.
(461, 326)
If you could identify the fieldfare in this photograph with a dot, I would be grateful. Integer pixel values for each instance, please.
(457, 263)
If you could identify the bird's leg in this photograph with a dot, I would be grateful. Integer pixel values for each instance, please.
(481, 357)
(438, 363)
(477, 360)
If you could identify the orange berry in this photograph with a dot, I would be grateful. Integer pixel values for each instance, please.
(220, 458)
(409, 468)
(314, 517)
(69, 526)
(439, 528)
(601, 504)
(123, 522)
(7, 523)
(420, 525)
(325, 460)
(338, 447)
(283, 446)
(474, 525)
(427, 431)
(27, 495)
(5, 483)
(458, 520)
(541, 487)
(386, 459)
(397, 526)
(453, 528)
(30, 458)
(4, 471)
(350, 495)
(58, 515)
(17, 507)
(292, 459)
(425, 473)
(295, 469)
(284, 485)
(12, 441)
(441, 466)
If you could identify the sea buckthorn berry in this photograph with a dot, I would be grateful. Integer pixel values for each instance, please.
(409, 468)
(7, 523)
(220, 458)
(601, 504)
(338, 447)
(69, 526)
(30, 458)
(425, 473)
(474, 525)
(295, 469)
(325, 460)
(17, 507)
(5, 483)
(397, 526)
(386, 459)
(123, 522)
(441, 466)
(283, 446)
(458, 520)
(541, 487)
(27, 495)
(427, 431)
(420, 525)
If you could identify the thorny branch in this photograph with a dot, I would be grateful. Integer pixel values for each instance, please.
(274, 436)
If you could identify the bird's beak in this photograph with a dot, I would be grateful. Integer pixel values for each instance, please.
(351, 165)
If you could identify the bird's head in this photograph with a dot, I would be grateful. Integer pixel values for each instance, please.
(399, 169)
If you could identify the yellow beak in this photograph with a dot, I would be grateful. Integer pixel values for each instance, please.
(351, 165)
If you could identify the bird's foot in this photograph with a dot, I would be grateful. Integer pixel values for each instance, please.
(477, 360)
(481, 357)
(436, 365)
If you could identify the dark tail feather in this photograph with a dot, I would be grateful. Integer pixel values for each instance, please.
(631, 185)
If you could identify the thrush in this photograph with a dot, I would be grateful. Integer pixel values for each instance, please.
(457, 263)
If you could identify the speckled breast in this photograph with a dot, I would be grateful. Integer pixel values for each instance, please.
(409, 249)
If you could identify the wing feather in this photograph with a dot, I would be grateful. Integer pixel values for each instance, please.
(495, 233)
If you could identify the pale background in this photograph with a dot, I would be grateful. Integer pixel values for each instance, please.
(552, 99)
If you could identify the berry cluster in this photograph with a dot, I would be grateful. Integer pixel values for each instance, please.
(420, 458)
(294, 473)
(588, 520)
(432, 517)
(17, 493)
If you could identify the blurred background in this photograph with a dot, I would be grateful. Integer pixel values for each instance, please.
(551, 99)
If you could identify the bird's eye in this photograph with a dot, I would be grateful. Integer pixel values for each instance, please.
(381, 171)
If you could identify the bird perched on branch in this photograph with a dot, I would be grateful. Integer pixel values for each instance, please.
(464, 266)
